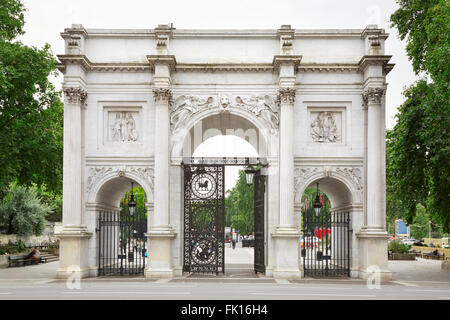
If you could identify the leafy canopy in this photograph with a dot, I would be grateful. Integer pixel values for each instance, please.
(31, 113)
(418, 147)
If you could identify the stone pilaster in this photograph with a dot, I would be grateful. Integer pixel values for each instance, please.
(74, 234)
(373, 236)
(161, 233)
(286, 236)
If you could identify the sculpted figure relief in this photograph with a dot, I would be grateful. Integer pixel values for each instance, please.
(124, 127)
(323, 128)
(186, 106)
(261, 106)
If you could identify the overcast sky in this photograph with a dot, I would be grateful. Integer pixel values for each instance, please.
(45, 19)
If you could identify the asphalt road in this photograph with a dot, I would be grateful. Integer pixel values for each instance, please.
(221, 289)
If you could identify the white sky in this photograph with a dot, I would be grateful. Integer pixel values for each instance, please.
(45, 19)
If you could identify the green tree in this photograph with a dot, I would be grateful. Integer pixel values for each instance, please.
(418, 147)
(22, 211)
(31, 112)
(239, 205)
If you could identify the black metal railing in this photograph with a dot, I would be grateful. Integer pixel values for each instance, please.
(326, 243)
(121, 243)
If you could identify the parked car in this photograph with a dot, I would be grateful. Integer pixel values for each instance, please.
(408, 241)
(445, 242)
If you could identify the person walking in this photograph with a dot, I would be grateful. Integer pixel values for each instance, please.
(233, 243)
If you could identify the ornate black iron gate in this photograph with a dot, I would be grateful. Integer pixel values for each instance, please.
(326, 243)
(259, 189)
(204, 218)
(121, 242)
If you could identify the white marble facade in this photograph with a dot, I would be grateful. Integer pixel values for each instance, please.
(311, 101)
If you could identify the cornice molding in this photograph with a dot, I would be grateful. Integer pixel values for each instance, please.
(87, 65)
(376, 60)
(279, 60)
(162, 59)
(224, 67)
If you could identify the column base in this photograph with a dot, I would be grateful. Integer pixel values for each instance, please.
(160, 253)
(287, 263)
(374, 254)
(73, 252)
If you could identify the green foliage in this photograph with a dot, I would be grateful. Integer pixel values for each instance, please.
(31, 113)
(239, 206)
(398, 247)
(22, 212)
(11, 19)
(13, 248)
(418, 147)
(140, 197)
(52, 199)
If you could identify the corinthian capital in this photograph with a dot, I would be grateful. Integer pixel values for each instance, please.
(162, 95)
(372, 95)
(286, 95)
(75, 95)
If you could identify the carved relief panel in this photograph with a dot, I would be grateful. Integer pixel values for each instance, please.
(326, 125)
(122, 125)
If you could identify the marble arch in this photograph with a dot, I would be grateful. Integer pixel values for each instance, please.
(315, 97)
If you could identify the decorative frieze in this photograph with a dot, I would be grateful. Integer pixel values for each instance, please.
(95, 174)
(262, 106)
(75, 95)
(354, 174)
(286, 95)
(186, 106)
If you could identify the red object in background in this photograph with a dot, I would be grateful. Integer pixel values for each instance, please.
(322, 232)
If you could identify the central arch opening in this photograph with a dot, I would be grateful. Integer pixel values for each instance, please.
(226, 140)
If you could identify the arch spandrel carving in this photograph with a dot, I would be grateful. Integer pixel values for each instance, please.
(351, 177)
(259, 110)
(99, 176)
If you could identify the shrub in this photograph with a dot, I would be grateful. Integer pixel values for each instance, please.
(22, 211)
(398, 247)
(13, 248)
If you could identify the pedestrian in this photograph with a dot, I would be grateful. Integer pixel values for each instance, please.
(35, 256)
(233, 243)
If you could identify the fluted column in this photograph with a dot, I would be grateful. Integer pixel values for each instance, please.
(74, 233)
(286, 100)
(372, 98)
(163, 97)
(75, 98)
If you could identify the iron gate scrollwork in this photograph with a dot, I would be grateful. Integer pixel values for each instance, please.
(326, 243)
(259, 189)
(122, 243)
(204, 219)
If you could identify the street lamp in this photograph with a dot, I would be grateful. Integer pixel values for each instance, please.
(249, 173)
(132, 202)
(317, 203)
